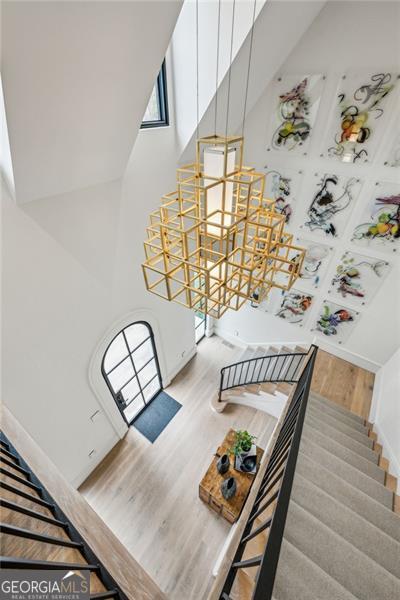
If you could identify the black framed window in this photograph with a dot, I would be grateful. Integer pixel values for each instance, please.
(131, 370)
(156, 114)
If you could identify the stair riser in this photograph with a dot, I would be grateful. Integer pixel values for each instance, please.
(350, 495)
(342, 439)
(338, 408)
(338, 415)
(341, 560)
(298, 578)
(358, 436)
(380, 547)
(346, 455)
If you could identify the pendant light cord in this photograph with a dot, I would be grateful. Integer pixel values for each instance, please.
(248, 67)
(217, 69)
(230, 69)
(197, 69)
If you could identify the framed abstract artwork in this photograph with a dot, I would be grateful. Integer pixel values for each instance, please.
(295, 306)
(358, 115)
(283, 186)
(296, 102)
(379, 225)
(331, 202)
(335, 321)
(358, 278)
(316, 262)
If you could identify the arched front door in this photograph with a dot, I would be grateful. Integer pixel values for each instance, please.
(131, 370)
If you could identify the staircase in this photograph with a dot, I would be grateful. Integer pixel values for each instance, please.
(36, 534)
(42, 503)
(341, 533)
(338, 538)
(262, 378)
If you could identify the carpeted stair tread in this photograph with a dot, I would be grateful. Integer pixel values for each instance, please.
(299, 578)
(346, 471)
(350, 567)
(342, 438)
(337, 407)
(345, 454)
(350, 495)
(370, 540)
(360, 437)
(338, 415)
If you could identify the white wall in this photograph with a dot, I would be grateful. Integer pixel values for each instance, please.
(77, 77)
(331, 47)
(385, 412)
(55, 306)
(62, 257)
(72, 272)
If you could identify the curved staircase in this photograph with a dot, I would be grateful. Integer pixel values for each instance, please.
(262, 378)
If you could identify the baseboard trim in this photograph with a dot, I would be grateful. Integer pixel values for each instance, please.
(100, 455)
(348, 355)
(352, 357)
(237, 341)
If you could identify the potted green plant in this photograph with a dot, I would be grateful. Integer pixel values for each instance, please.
(243, 443)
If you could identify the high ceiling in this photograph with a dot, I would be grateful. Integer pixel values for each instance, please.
(73, 111)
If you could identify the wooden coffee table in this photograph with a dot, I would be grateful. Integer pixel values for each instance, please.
(210, 485)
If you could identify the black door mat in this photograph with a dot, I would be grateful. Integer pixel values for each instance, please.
(156, 416)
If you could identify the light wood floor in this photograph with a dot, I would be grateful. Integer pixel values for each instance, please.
(148, 493)
(343, 382)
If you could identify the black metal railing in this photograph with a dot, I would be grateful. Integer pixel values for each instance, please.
(273, 495)
(276, 368)
(12, 463)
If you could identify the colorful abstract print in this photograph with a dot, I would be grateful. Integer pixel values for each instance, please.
(358, 277)
(335, 321)
(383, 224)
(294, 306)
(359, 111)
(293, 115)
(330, 200)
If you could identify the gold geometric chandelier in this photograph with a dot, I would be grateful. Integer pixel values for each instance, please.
(216, 242)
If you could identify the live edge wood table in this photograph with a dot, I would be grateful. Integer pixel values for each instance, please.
(210, 485)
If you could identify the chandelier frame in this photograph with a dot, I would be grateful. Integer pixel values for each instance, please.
(210, 258)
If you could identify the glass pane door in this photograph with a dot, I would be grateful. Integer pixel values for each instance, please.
(130, 368)
(199, 326)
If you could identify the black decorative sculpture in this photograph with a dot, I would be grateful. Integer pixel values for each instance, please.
(223, 464)
(228, 488)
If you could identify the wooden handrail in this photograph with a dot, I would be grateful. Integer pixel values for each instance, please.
(225, 565)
